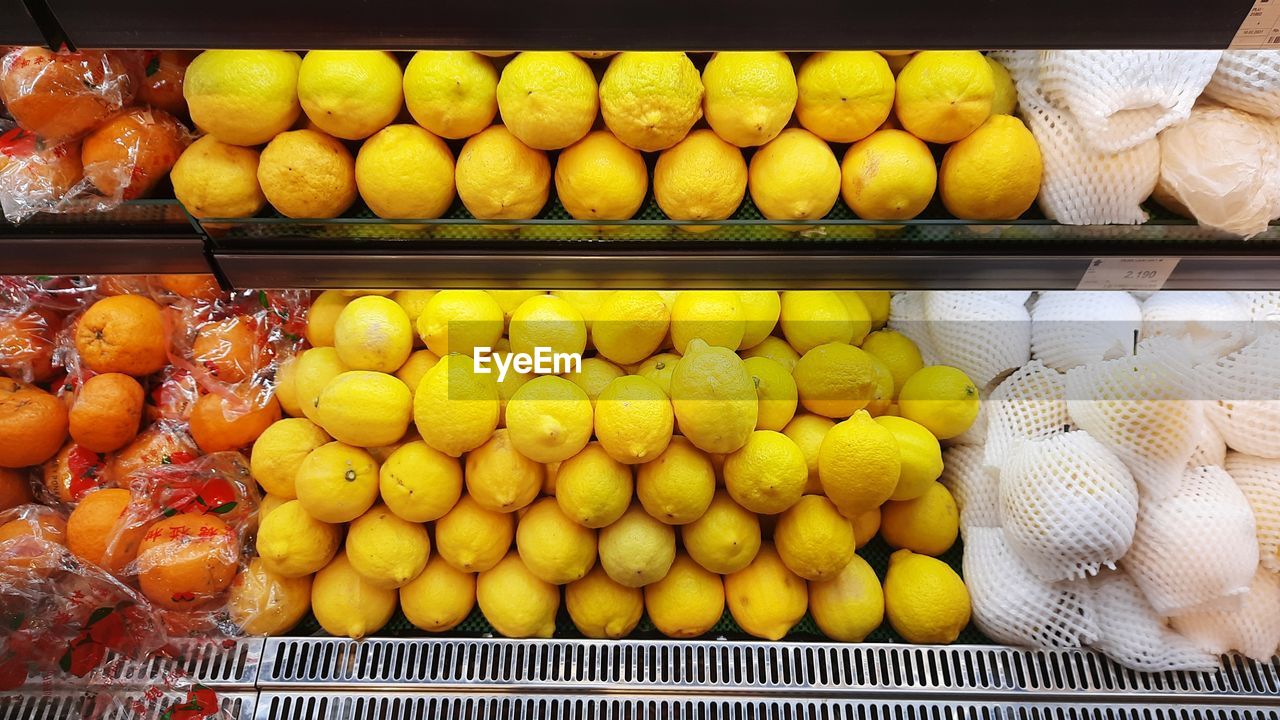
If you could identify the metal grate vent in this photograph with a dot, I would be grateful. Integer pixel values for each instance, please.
(116, 706)
(232, 665)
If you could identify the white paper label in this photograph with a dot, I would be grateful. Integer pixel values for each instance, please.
(1128, 273)
(1261, 27)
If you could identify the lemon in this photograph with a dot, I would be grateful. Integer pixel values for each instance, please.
(496, 53)
(501, 479)
(586, 302)
(897, 352)
(760, 311)
(293, 544)
(633, 419)
(897, 60)
(595, 54)
(413, 302)
(451, 93)
(687, 602)
(768, 474)
(849, 606)
(927, 524)
(700, 178)
(637, 549)
(814, 317)
(859, 464)
(404, 171)
(593, 488)
(994, 173)
(287, 388)
(213, 179)
(373, 333)
(364, 408)
(279, 450)
(382, 452)
(314, 369)
(546, 321)
(549, 419)
(307, 174)
(859, 315)
(813, 539)
(714, 316)
(460, 321)
(269, 504)
(835, 380)
(386, 549)
(415, 368)
(844, 96)
(440, 598)
(243, 97)
(337, 482)
(346, 604)
(678, 485)
(419, 483)
(509, 300)
(500, 178)
(714, 398)
(941, 398)
(865, 526)
(455, 409)
(631, 325)
(877, 304)
(350, 94)
(322, 317)
(925, 600)
(884, 388)
(777, 350)
(515, 602)
(750, 95)
(473, 539)
(650, 100)
(725, 539)
(261, 602)
(795, 176)
(659, 369)
(600, 178)
(594, 376)
(548, 99)
(1005, 99)
(943, 95)
(601, 608)
(808, 431)
(775, 391)
(552, 546)
(549, 477)
(765, 598)
(921, 456)
(889, 175)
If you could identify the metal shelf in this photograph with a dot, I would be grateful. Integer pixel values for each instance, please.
(17, 26)
(74, 704)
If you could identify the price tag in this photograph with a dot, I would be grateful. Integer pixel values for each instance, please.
(1261, 27)
(1128, 273)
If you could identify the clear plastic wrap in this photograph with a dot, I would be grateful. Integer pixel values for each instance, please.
(61, 96)
(1252, 629)
(1245, 391)
(1259, 480)
(1134, 635)
(128, 154)
(1074, 328)
(1031, 403)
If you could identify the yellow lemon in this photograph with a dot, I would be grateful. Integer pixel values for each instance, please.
(515, 601)
(776, 392)
(637, 549)
(546, 321)
(994, 173)
(473, 539)
(322, 317)
(714, 398)
(631, 326)
(287, 388)
(884, 389)
(897, 60)
(415, 368)
(440, 598)
(700, 178)
(835, 380)
(593, 488)
(549, 419)
(601, 608)
(943, 95)
(677, 486)
(554, 547)
(814, 317)
(373, 333)
(767, 475)
(844, 96)
(261, 602)
(777, 350)
(496, 53)
(849, 606)
(687, 602)
(921, 456)
(586, 302)
(386, 549)
(760, 311)
(659, 369)
(634, 420)
(925, 600)
(451, 93)
(714, 316)
(404, 171)
(888, 175)
(509, 300)
(460, 321)
(765, 598)
(877, 304)
(269, 504)
(813, 539)
(307, 174)
(382, 452)
(455, 409)
(314, 369)
(419, 483)
(795, 176)
(897, 352)
(808, 431)
(337, 482)
(350, 94)
(649, 100)
(1005, 100)
(859, 315)
(750, 95)
(548, 99)
(364, 408)
(859, 464)
(927, 524)
(508, 385)
(413, 302)
(865, 526)
(594, 376)
(595, 54)
(279, 450)
(600, 178)
(501, 479)
(213, 179)
(500, 178)
(243, 97)
(292, 543)
(348, 605)
(941, 398)
(725, 539)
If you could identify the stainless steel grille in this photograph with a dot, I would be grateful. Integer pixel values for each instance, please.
(68, 705)
(220, 665)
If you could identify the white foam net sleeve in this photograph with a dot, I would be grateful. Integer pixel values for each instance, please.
(1133, 634)
(1074, 328)
(1067, 505)
(1248, 80)
(1123, 98)
(1264, 309)
(1211, 449)
(1030, 403)
(1253, 629)
(982, 335)
(1195, 548)
(976, 490)
(1245, 389)
(1140, 408)
(1212, 324)
(1259, 480)
(906, 315)
(1013, 606)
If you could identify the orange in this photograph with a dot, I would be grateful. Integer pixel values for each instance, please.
(61, 96)
(227, 348)
(101, 531)
(186, 560)
(215, 426)
(44, 524)
(15, 488)
(76, 471)
(193, 287)
(160, 444)
(122, 285)
(106, 412)
(47, 174)
(127, 155)
(122, 333)
(162, 78)
(33, 424)
(26, 343)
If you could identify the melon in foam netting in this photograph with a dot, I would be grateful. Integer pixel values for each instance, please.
(1074, 328)
(1248, 80)
(1259, 480)
(1212, 324)
(1195, 548)
(1264, 307)
(1134, 635)
(906, 315)
(1211, 449)
(1011, 605)
(1245, 390)
(1252, 629)
(1067, 505)
(975, 488)
(982, 335)
(1030, 403)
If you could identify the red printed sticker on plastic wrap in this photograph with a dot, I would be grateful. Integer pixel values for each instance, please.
(1261, 27)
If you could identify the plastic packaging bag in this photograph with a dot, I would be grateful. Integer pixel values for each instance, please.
(61, 96)
(1248, 80)
(128, 154)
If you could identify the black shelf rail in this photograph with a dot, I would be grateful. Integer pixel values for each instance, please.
(19, 26)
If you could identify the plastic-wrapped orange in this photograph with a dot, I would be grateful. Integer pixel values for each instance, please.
(127, 155)
(33, 424)
(62, 96)
(26, 344)
(160, 444)
(37, 521)
(194, 287)
(76, 471)
(38, 179)
(123, 333)
(162, 77)
(216, 426)
(226, 348)
(106, 412)
(186, 560)
(101, 531)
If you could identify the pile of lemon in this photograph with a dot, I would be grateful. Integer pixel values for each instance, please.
(712, 449)
(339, 124)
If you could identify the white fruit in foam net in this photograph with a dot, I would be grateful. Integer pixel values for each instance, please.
(1211, 449)
(1259, 480)
(1031, 403)
(1211, 324)
(906, 315)
(1067, 505)
(1011, 605)
(1264, 305)
(975, 488)
(1245, 389)
(1195, 548)
(1070, 328)
(1252, 628)
(1248, 80)
(1134, 635)
(981, 334)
